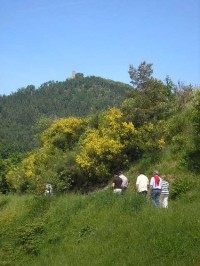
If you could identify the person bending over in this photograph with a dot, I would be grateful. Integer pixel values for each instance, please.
(117, 184)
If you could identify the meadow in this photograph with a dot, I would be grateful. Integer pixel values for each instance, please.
(100, 228)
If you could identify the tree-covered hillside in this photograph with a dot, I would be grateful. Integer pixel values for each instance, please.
(29, 111)
(84, 151)
(152, 125)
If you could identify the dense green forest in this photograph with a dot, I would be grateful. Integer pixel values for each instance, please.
(27, 112)
(151, 124)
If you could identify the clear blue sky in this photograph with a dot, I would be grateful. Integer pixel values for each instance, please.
(43, 40)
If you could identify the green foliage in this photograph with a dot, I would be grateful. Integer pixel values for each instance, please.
(28, 237)
(5, 166)
(193, 154)
(140, 75)
(54, 163)
(151, 138)
(180, 138)
(82, 152)
(44, 166)
(183, 96)
(74, 154)
(41, 124)
(151, 103)
(196, 113)
(26, 113)
(180, 186)
(3, 202)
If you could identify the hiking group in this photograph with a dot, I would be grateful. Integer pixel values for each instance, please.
(158, 187)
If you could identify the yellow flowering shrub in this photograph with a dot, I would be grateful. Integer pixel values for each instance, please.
(64, 133)
(152, 136)
(84, 151)
(112, 118)
(100, 145)
(19, 177)
(49, 163)
(44, 166)
(161, 143)
(105, 147)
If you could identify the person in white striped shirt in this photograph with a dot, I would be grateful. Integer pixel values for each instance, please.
(164, 193)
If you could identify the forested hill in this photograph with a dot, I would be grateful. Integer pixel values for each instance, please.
(29, 111)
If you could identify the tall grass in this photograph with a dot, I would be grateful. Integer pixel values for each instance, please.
(98, 229)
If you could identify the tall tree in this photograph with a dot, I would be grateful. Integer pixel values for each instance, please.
(151, 103)
(141, 74)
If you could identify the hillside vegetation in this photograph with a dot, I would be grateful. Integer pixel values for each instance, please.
(98, 229)
(155, 126)
(81, 153)
(27, 112)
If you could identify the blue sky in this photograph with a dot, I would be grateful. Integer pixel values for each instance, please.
(43, 40)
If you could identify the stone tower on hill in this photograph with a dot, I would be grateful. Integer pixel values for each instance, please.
(72, 76)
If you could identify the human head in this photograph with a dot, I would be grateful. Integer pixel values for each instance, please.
(155, 172)
(141, 171)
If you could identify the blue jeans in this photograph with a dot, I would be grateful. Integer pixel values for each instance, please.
(155, 197)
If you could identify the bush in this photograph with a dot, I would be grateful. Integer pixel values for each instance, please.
(180, 186)
(29, 237)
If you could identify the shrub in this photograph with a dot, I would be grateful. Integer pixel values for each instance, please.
(64, 133)
(193, 154)
(180, 186)
(103, 150)
(44, 166)
(28, 237)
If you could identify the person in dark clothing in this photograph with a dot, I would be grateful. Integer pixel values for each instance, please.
(117, 184)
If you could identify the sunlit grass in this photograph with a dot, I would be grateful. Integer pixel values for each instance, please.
(99, 229)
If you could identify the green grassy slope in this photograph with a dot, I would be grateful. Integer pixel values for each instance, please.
(98, 229)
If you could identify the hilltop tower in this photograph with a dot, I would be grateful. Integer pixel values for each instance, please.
(73, 74)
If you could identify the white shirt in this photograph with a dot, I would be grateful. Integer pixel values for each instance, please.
(153, 184)
(124, 180)
(142, 183)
